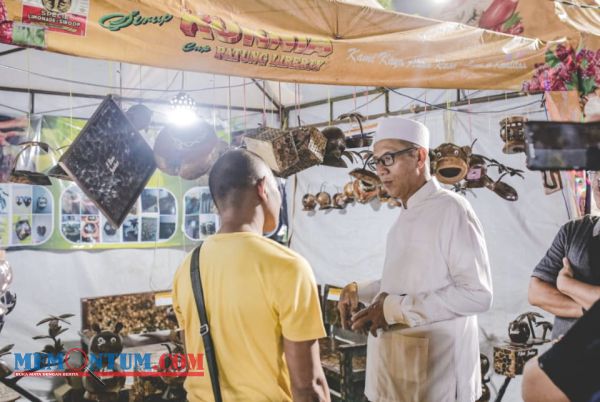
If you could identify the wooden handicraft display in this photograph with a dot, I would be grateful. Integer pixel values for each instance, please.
(110, 161)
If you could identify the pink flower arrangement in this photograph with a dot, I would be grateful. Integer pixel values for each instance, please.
(5, 25)
(6, 30)
(3, 12)
(567, 69)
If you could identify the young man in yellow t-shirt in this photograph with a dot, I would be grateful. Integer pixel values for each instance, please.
(262, 301)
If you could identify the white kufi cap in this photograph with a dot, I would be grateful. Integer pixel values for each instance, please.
(400, 128)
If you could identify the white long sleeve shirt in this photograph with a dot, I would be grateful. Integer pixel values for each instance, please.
(437, 275)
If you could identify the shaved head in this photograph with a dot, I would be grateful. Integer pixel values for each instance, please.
(233, 174)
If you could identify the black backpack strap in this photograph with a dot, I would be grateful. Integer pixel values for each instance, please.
(209, 349)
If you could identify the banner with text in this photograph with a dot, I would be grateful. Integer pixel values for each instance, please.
(309, 41)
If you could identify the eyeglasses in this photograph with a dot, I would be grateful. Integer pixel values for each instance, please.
(388, 158)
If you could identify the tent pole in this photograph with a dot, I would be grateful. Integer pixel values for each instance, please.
(483, 99)
(335, 99)
(284, 118)
(31, 103)
(126, 99)
(18, 49)
(267, 94)
(331, 111)
(387, 101)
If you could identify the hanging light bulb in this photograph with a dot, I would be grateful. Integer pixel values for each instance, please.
(183, 100)
(183, 110)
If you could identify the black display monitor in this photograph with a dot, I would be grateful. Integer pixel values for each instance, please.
(554, 145)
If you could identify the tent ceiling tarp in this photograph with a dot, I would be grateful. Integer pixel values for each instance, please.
(30, 71)
(577, 20)
(306, 41)
(47, 71)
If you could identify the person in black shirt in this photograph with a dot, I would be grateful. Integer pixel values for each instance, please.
(574, 254)
(570, 369)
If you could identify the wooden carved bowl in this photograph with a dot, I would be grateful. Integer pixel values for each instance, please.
(309, 202)
(339, 201)
(324, 200)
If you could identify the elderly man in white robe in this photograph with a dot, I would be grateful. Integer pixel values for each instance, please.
(423, 344)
